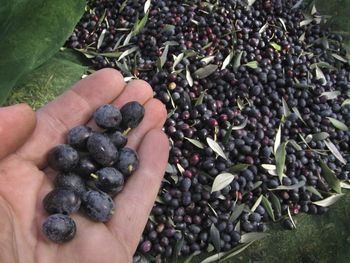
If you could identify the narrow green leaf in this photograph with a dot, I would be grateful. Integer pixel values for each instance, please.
(263, 28)
(205, 71)
(237, 211)
(235, 251)
(167, 28)
(320, 136)
(171, 43)
(296, 146)
(330, 177)
(340, 58)
(286, 111)
(216, 148)
(221, 181)
(195, 142)
(257, 203)
(171, 100)
(289, 187)
(314, 191)
(127, 52)
(200, 99)
(214, 258)
(181, 169)
(190, 257)
(208, 59)
(127, 39)
(297, 4)
(306, 22)
(291, 218)
(320, 75)
(330, 145)
(308, 138)
(139, 25)
(280, 160)
(213, 210)
(338, 124)
(179, 244)
(239, 167)
(147, 6)
(277, 139)
(101, 38)
(252, 236)
(251, 2)
(215, 237)
(276, 46)
(237, 61)
(189, 77)
(322, 65)
(345, 102)
(252, 64)
(177, 60)
(240, 103)
(331, 95)
(345, 185)
(276, 203)
(163, 58)
(234, 128)
(227, 60)
(283, 24)
(170, 169)
(329, 200)
(297, 112)
(266, 203)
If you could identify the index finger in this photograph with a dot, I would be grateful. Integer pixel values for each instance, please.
(72, 108)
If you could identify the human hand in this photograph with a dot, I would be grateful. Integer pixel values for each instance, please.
(25, 178)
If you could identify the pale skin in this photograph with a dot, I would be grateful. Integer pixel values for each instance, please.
(27, 136)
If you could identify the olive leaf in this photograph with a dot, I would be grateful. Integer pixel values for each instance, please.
(345, 185)
(276, 46)
(295, 145)
(297, 112)
(227, 60)
(345, 102)
(208, 59)
(127, 52)
(171, 43)
(286, 111)
(213, 258)
(181, 169)
(257, 203)
(239, 167)
(234, 128)
(127, 39)
(195, 142)
(323, 64)
(205, 71)
(329, 200)
(320, 136)
(338, 124)
(340, 58)
(314, 191)
(101, 38)
(302, 37)
(306, 22)
(167, 28)
(200, 99)
(252, 64)
(179, 244)
(277, 139)
(271, 168)
(215, 237)
(320, 75)
(283, 24)
(252, 236)
(147, 6)
(289, 187)
(237, 61)
(297, 4)
(189, 77)
(266, 203)
(331, 95)
(140, 24)
(221, 181)
(280, 157)
(251, 2)
(330, 177)
(213, 210)
(190, 257)
(263, 28)
(275, 203)
(163, 57)
(170, 169)
(177, 60)
(237, 211)
(240, 103)
(235, 251)
(291, 218)
(216, 148)
(330, 145)
(308, 138)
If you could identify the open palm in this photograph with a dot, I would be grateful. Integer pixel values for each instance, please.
(25, 179)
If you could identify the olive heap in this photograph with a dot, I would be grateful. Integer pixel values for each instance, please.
(93, 167)
(258, 99)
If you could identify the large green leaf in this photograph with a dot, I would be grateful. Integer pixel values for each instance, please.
(49, 80)
(31, 32)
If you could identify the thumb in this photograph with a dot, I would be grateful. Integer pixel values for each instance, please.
(17, 123)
